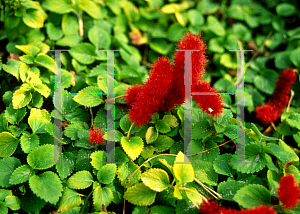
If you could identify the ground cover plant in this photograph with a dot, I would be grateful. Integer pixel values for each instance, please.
(148, 175)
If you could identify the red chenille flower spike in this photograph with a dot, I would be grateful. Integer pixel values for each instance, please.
(211, 104)
(96, 136)
(153, 92)
(259, 210)
(272, 110)
(288, 191)
(131, 94)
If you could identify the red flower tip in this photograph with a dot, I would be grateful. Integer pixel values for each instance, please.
(96, 136)
(131, 94)
(280, 98)
(259, 210)
(288, 191)
(210, 207)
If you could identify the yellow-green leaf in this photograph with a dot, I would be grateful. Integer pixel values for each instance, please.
(183, 169)
(21, 98)
(8, 144)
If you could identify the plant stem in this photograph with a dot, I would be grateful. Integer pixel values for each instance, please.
(128, 134)
(85, 202)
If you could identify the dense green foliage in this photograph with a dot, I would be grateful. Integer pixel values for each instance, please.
(144, 31)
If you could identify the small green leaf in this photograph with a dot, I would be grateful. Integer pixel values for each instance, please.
(99, 37)
(13, 202)
(156, 179)
(38, 119)
(91, 8)
(58, 6)
(252, 195)
(45, 61)
(285, 9)
(162, 126)
(133, 146)
(176, 32)
(8, 144)
(90, 96)
(183, 169)
(229, 188)
(201, 130)
(14, 116)
(293, 120)
(125, 171)
(222, 166)
(195, 198)
(107, 173)
(215, 26)
(195, 17)
(171, 120)
(12, 67)
(29, 49)
(266, 81)
(161, 46)
(102, 196)
(205, 173)
(151, 134)
(98, 159)
(140, 195)
(34, 18)
(80, 180)
(163, 143)
(295, 57)
(53, 32)
(21, 174)
(42, 157)
(46, 186)
(84, 53)
(68, 163)
(70, 199)
(7, 167)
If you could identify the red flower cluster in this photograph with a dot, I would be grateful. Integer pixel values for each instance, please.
(96, 136)
(288, 191)
(212, 207)
(272, 110)
(165, 88)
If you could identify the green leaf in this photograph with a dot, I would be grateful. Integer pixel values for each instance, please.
(90, 96)
(170, 8)
(195, 198)
(38, 119)
(84, 53)
(140, 195)
(131, 60)
(99, 37)
(295, 57)
(125, 171)
(66, 78)
(221, 165)
(253, 154)
(102, 196)
(162, 126)
(80, 180)
(68, 163)
(171, 120)
(21, 175)
(133, 146)
(285, 9)
(205, 172)
(29, 49)
(42, 89)
(151, 134)
(46, 186)
(32, 203)
(8, 144)
(161, 46)
(53, 32)
(176, 32)
(266, 81)
(293, 120)
(227, 61)
(229, 188)
(70, 199)
(282, 60)
(45, 61)
(21, 98)
(83, 160)
(42, 157)
(4, 193)
(163, 143)
(159, 209)
(58, 6)
(90, 8)
(183, 169)
(98, 158)
(156, 179)
(12, 67)
(107, 173)
(12, 202)
(242, 32)
(7, 167)
(283, 152)
(252, 195)
(215, 26)
(14, 116)
(195, 17)
(34, 18)
(201, 130)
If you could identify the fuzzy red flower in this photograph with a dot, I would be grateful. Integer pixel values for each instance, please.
(96, 136)
(131, 94)
(288, 191)
(153, 92)
(272, 110)
(210, 207)
(211, 104)
(259, 210)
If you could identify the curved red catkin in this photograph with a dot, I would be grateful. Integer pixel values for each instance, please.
(177, 90)
(211, 104)
(153, 92)
(131, 94)
(272, 110)
(288, 191)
